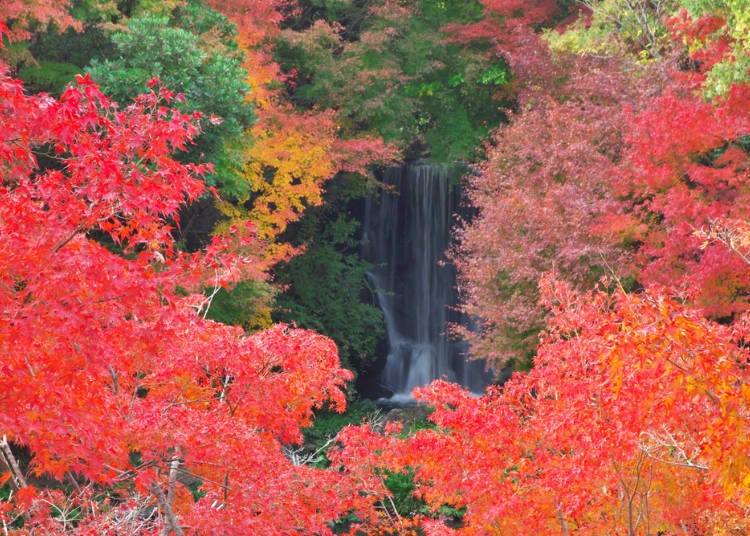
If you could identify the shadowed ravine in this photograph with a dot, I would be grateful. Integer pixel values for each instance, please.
(406, 234)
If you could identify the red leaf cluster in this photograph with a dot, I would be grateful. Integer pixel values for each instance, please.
(21, 14)
(540, 195)
(632, 418)
(688, 166)
(110, 374)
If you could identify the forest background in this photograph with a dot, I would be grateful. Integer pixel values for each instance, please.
(182, 180)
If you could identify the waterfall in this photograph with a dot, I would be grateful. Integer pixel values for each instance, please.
(406, 234)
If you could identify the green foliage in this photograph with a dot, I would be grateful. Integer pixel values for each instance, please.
(325, 286)
(734, 67)
(401, 78)
(15, 53)
(617, 27)
(48, 76)
(344, 523)
(736, 12)
(638, 28)
(6, 491)
(352, 15)
(192, 53)
(155, 7)
(245, 305)
(327, 424)
(214, 28)
(96, 11)
(726, 74)
(582, 38)
(77, 48)
(401, 485)
(453, 512)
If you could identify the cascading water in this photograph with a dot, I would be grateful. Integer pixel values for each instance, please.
(406, 233)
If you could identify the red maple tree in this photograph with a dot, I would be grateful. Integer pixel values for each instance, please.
(21, 14)
(687, 165)
(112, 380)
(540, 196)
(632, 421)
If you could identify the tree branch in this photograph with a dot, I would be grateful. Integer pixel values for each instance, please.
(174, 469)
(171, 525)
(11, 463)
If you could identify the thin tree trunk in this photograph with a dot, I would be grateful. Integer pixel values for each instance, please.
(171, 525)
(18, 480)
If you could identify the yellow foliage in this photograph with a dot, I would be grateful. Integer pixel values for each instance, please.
(615, 27)
(288, 162)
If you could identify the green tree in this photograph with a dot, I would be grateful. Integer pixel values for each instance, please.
(325, 288)
(401, 77)
(191, 52)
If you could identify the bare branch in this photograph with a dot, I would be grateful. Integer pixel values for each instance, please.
(298, 457)
(171, 525)
(561, 517)
(653, 444)
(18, 480)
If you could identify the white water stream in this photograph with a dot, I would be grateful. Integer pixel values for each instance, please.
(406, 233)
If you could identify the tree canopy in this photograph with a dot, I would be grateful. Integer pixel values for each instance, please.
(603, 255)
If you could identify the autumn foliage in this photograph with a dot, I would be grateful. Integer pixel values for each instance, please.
(113, 382)
(293, 153)
(632, 421)
(539, 204)
(609, 167)
(676, 184)
(609, 244)
(20, 14)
